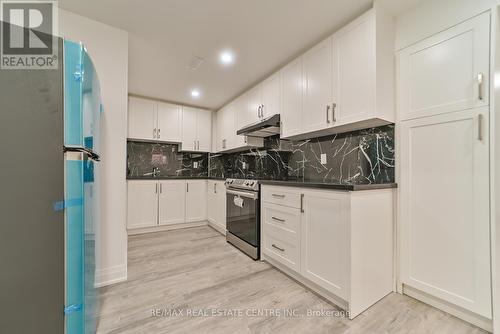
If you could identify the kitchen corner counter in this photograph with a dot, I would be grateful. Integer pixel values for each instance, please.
(332, 186)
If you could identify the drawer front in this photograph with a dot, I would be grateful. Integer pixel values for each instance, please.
(285, 218)
(281, 196)
(282, 246)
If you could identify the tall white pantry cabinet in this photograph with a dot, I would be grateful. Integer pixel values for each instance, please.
(443, 121)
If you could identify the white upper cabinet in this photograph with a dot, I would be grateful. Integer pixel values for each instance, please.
(169, 122)
(271, 96)
(142, 122)
(447, 72)
(354, 71)
(292, 94)
(227, 126)
(153, 120)
(318, 87)
(196, 130)
(204, 127)
(253, 107)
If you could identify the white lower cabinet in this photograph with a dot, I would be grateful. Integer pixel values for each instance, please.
(444, 208)
(216, 205)
(171, 202)
(196, 200)
(338, 243)
(158, 203)
(142, 204)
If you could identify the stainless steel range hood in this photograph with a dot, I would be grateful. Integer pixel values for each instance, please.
(269, 126)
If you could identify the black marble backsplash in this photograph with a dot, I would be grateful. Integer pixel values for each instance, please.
(142, 157)
(360, 157)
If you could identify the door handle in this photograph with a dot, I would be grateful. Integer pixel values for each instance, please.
(480, 127)
(334, 106)
(278, 248)
(278, 195)
(328, 114)
(302, 203)
(278, 219)
(480, 80)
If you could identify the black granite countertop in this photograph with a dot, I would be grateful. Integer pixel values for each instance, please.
(333, 186)
(174, 178)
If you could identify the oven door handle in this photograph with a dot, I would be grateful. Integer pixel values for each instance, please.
(245, 194)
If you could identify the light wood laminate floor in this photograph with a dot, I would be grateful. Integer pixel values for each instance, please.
(193, 269)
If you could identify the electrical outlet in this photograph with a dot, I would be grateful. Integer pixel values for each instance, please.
(244, 165)
(323, 158)
(195, 164)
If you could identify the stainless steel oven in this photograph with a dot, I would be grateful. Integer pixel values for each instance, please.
(243, 216)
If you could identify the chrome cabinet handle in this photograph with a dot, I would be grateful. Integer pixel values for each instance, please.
(480, 80)
(278, 195)
(187, 187)
(258, 111)
(159, 134)
(480, 127)
(156, 188)
(278, 248)
(154, 133)
(161, 188)
(334, 106)
(215, 188)
(302, 203)
(278, 219)
(245, 139)
(262, 111)
(328, 114)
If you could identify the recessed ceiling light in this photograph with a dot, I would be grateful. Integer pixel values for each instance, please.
(226, 57)
(195, 93)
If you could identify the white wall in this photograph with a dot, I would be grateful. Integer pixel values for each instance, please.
(108, 48)
(433, 16)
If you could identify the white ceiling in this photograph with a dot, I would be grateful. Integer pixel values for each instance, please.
(165, 35)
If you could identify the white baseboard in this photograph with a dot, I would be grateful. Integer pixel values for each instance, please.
(217, 227)
(111, 275)
(447, 307)
(165, 228)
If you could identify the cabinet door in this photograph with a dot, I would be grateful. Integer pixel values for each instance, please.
(241, 111)
(211, 202)
(172, 202)
(169, 122)
(220, 193)
(318, 77)
(447, 72)
(293, 85)
(444, 196)
(142, 204)
(189, 131)
(204, 130)
(141, 119)
(354, 71)
(324, 238)
(271, 96)
(253, 106)
(196, 200)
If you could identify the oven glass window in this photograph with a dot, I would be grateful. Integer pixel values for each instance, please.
(242, 218)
